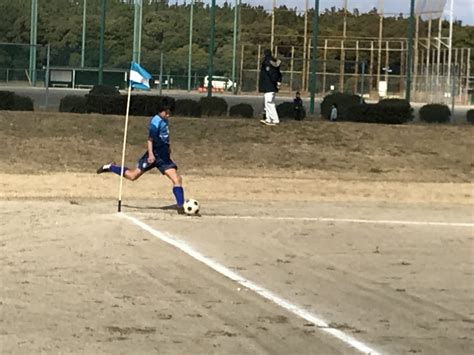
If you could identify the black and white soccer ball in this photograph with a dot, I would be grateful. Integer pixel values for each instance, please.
(191, 207)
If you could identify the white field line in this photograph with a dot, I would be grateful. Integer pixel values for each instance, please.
(345, 220)
(221, 269)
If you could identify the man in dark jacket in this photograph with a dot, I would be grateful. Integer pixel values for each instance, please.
(269, 83)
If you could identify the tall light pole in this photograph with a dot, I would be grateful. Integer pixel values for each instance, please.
(343, 52)
(190, 50)
(33, 41)
(305, 45)
(411, 26)
(450, 39)
(211, 48)
(234, 45)
(272, 39)
(379, 51)
(101, 41)
(314, 60)
(83, 47)
(137, 31)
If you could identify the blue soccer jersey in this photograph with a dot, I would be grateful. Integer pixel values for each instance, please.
(159, 132)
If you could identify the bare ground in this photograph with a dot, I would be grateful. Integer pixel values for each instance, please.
(77, 279)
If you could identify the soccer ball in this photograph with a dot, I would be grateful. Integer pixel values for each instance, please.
(191, 207)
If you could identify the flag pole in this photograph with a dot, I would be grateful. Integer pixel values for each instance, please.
(119, 207)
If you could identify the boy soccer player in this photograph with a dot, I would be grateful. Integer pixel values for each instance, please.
(157, 156)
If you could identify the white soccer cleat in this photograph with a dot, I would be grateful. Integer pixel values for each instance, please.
(105, 168)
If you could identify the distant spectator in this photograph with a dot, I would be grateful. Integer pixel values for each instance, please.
(334, 113)
(298, 107)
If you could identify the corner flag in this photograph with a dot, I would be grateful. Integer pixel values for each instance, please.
(139, 77)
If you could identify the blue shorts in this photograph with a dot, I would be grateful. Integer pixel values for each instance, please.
(162, 163)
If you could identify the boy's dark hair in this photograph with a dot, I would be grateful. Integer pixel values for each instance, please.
(267, 52)
(298, 93)
(165, 105)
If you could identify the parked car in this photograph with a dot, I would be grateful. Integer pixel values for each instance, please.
(220, 82)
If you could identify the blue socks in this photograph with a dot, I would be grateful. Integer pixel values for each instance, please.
(116, 169)
(178, 193)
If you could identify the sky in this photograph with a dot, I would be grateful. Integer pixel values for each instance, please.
(463, 9)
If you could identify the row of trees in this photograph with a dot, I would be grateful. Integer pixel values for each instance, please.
(166, 28)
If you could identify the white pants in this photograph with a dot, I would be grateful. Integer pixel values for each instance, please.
(270, 108)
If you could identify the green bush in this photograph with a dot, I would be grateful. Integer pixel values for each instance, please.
(187, 108)
(22, 103)
(241, 110)
(379, 113)
(148, 105)
(470, 116)
(7, 100)
(104, 90)
(11, 101)
(343, 102)
(286, 110)
(73, 103)
(106, 104)
(213, 106)
(140, 105)
(435, 113)
(394, 102)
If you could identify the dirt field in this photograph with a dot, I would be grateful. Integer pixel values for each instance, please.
(366, 227)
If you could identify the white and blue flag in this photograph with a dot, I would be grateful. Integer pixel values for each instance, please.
(139, 77)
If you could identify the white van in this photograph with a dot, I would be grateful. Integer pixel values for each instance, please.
(220, 82)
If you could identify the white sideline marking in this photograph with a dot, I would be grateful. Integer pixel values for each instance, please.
(347, 220)
(310, 317)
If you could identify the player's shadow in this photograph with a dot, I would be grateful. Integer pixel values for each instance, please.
(163, 208)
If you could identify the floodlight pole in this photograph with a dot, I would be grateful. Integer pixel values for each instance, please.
(314, 60)
(304, 84)
(137, 31)
(272, 39)
(190, 47)
(211, 48)
(46, 79)
(450, 39)
(83, 46)
(411, 25)
(101, 41)
(234, 45)
(33, 41)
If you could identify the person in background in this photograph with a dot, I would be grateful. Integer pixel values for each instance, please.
(269, 83)
(333, 113)
(298, 107)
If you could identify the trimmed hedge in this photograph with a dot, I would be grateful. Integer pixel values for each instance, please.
(286, 110)
(13, 102)
(187, 108)
(343, 102)
(379, 113)
(470, 116)
(22, 103)
(148, 105)
(435, 113)
(394, 102)
(73, 103)
(7, 100)
(140, 105)
(241, 110)
(213, 106)
(104, 90)
(106, 104)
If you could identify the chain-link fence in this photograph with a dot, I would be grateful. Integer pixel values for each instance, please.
(367, 64)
